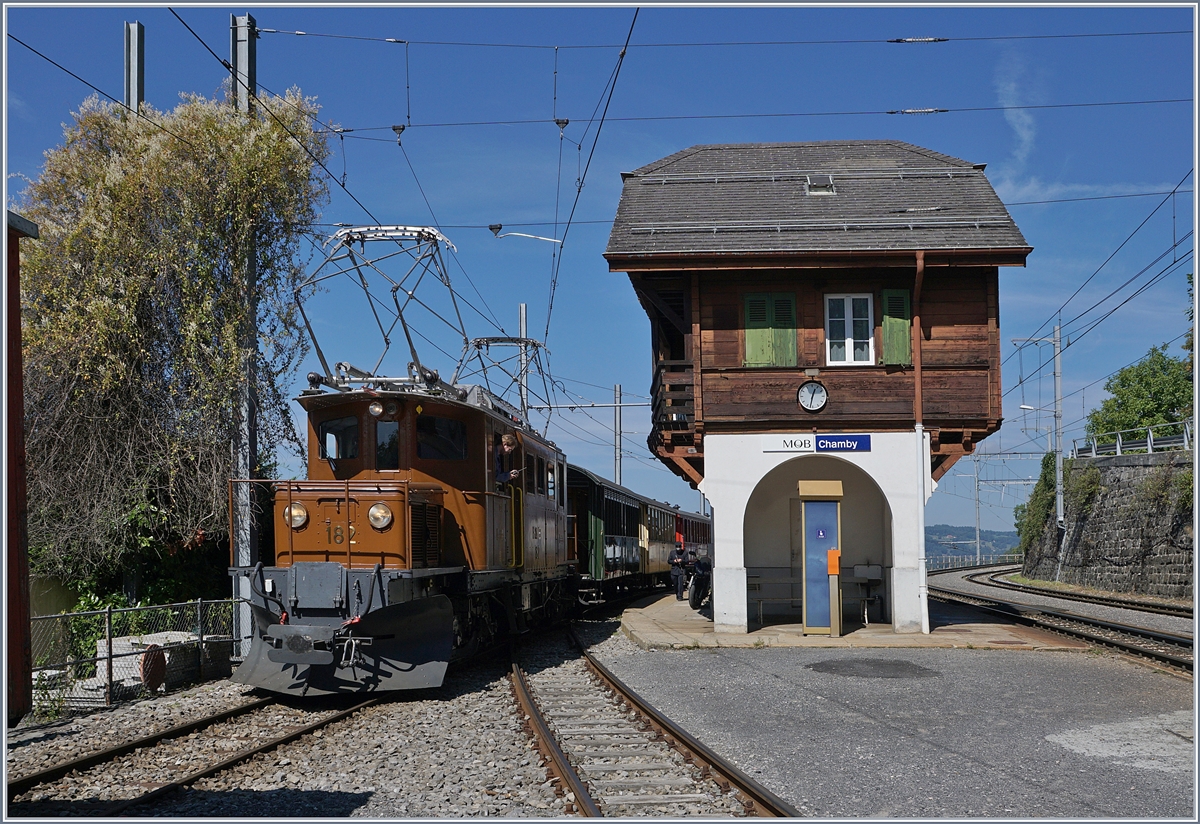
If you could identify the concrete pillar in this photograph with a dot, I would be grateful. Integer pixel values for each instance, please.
(899, 466)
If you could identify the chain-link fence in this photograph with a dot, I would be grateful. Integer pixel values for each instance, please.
(936, 563)
(85, 660)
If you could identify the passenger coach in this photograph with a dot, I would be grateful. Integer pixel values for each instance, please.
(620, 540)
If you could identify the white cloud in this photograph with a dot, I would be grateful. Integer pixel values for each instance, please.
(1011, 77)
(19, 108)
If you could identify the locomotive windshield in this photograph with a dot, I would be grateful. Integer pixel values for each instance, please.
(387, 445)
(441, 438)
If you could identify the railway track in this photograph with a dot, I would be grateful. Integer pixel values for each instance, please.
(111, 782)
(615, 755)
(1174, 652)
(991, 578)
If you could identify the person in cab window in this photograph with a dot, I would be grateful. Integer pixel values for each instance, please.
(508, 445)
(678, 561)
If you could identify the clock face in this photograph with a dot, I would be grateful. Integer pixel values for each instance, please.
(812, 396)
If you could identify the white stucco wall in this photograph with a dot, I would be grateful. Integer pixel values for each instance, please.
(736, 465)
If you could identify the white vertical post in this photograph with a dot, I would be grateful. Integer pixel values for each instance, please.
(523, 382)
(135, 69)
(617, 433)
(242, 55)
(978, 549)
(1058, 458)
(1059, 521)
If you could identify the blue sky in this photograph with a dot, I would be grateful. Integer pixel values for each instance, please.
(720, 75)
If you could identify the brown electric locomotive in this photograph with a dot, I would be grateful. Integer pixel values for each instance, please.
(402, 550)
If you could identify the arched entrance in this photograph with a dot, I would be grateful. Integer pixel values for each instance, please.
(773, 541)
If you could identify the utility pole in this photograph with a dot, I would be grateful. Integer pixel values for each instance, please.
(1059, 519)
(135, 68)
(978, 546)
(617, 433)
(242, 59)
(523, 377)
(1060, 527)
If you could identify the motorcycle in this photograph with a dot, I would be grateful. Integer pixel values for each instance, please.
(700, 586)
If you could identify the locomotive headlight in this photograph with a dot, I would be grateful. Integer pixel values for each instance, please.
(380, 516)
(296, 515)
(376, 408)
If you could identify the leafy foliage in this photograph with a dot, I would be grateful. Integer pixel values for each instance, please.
(134, 307)
(1155, 390)
(1035, 514)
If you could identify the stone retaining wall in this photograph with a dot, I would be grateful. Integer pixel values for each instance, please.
(1128, 522)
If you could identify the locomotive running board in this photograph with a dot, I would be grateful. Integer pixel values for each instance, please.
(403, 647)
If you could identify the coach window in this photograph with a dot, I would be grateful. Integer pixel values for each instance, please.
(442, 439)
(339, 438)
(530, 474)
(387, 445)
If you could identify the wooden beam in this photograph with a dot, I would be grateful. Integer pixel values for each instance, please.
(918, 408)
(655, 301)
(689, 472)
(697, 365)
(944, 467)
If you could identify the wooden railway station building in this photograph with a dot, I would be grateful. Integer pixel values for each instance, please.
(826, 344)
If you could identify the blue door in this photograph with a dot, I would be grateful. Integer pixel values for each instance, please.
(820, 536)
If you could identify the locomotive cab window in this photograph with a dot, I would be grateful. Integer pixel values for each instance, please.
(338, 438)
(550, 481)
(530, 474)
(443, 439)
(541, 475)
(387, 445)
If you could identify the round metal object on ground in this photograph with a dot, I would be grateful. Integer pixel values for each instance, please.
(154, 667)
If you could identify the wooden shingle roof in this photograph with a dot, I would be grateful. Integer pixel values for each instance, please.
(775, 199)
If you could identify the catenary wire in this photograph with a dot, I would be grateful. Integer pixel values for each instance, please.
(315, 159)
(734, 43)
(101, 91)
(612, 88)
(774, 115)
(1106, 260)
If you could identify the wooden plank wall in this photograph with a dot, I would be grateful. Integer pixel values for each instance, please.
(960, 346)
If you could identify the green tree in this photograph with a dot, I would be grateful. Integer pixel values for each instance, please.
(1155, 390)
(1032, 516)
(132, 306)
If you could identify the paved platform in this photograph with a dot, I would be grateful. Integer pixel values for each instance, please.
(662, 622)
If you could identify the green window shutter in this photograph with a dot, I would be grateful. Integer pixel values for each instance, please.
(759, 348)
(897, 322)
(783, 316)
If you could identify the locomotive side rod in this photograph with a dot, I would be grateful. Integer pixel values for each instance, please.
(546, 742)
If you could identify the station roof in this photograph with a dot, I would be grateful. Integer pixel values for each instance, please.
(776, 199)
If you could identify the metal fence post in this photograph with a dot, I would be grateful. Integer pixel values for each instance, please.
(108, 684)
(200, 634)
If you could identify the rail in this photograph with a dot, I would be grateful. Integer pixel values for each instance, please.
(1179, 438)
(765, 803)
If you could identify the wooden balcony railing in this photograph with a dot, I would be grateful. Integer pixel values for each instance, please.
(673, 402)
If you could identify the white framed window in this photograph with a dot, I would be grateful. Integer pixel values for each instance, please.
(849, 330)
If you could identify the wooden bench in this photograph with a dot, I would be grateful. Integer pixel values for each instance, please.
(865, 578)
(760, 600)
